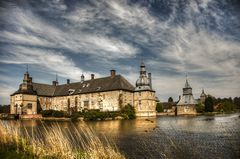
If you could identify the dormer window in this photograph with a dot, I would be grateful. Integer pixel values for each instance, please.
(79, 91)
(84, 85)
(71, 91)
(87, 85)
(98, 88)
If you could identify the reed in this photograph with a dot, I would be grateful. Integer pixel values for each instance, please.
(54, 141)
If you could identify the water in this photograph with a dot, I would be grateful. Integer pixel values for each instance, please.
(170, 137)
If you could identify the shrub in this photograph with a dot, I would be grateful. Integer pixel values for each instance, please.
(75, 116)
(47, 113)
(129, 111)
(92, 115)
(52, 113)
(228, 106)
(58, 114)
(159, 107)
(200, 108)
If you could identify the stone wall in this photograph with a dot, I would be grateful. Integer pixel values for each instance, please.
(23, 104)
(105, 101)
(145, 103)
(186, 110)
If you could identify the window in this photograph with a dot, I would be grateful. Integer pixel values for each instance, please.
(29, 105)
(86, 104)
(71, 91)
(139, 93)
(140, 103)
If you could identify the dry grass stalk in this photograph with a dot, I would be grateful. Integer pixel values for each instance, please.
(56, 142)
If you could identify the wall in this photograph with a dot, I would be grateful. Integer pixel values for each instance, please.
(145, 103)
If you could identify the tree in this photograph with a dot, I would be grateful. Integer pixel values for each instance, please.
(159, 107)
(170, 99)
(228, 106)
(129, 111)
(236, 101)
(200, 108)
(209, 104)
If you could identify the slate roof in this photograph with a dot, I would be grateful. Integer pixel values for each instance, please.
(44, 89)
(95, 85)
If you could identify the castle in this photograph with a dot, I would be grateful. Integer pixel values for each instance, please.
(186, 104)
(109, 93)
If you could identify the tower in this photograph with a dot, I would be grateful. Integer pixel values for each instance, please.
(186, 104)
(24, 100)
(144, 95)
(203, 97)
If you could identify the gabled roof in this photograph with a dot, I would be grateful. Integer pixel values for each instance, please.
(44, 89)
(95, 85)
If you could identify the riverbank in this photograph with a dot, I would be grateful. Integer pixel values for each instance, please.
(53, 142)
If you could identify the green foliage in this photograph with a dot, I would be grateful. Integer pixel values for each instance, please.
(75, 116)
(128, 112)
(209, 104)
(58, 114)
(159, 107)
(97, 115)
(4, 108)
(228, 106)
(200, 108)
(52, 113)
(236, 101)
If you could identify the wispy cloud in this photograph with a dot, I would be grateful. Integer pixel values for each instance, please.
(199, 37)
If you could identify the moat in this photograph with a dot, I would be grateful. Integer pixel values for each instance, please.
(168, 137)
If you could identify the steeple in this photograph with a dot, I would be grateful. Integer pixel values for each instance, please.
(143, 83)
(186, 83)
(55, 83)
(187, 90)
(82, 77)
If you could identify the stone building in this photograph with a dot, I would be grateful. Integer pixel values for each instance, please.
(109, 93)
(186, 104)
(203, 97)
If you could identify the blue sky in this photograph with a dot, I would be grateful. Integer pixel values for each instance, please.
(200, 37)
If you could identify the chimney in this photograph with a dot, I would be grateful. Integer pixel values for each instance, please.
(150, 79)
(113, 73)
(82, 78)
(54, 83)
(68, 81)
(92, 76)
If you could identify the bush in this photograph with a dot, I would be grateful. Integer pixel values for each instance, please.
(52, 113)
(228, 106)
(92, 115)
(129, 111)
(75, 116)
(58, 114)
(47, 113)
(200, 108)
(159, 107)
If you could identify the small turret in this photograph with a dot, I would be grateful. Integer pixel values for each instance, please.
(82, 78)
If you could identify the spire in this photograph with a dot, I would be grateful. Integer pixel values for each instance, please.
(186, 83)
(82, 77)
(27, 68)
(56, 77)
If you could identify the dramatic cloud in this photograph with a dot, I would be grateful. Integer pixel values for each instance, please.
(198, 37)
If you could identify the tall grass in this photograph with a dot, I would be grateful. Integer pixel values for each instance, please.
(55, 141)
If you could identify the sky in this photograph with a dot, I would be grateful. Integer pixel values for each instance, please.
(172, 37)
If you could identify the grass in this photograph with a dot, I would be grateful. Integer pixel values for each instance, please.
(53, 142)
